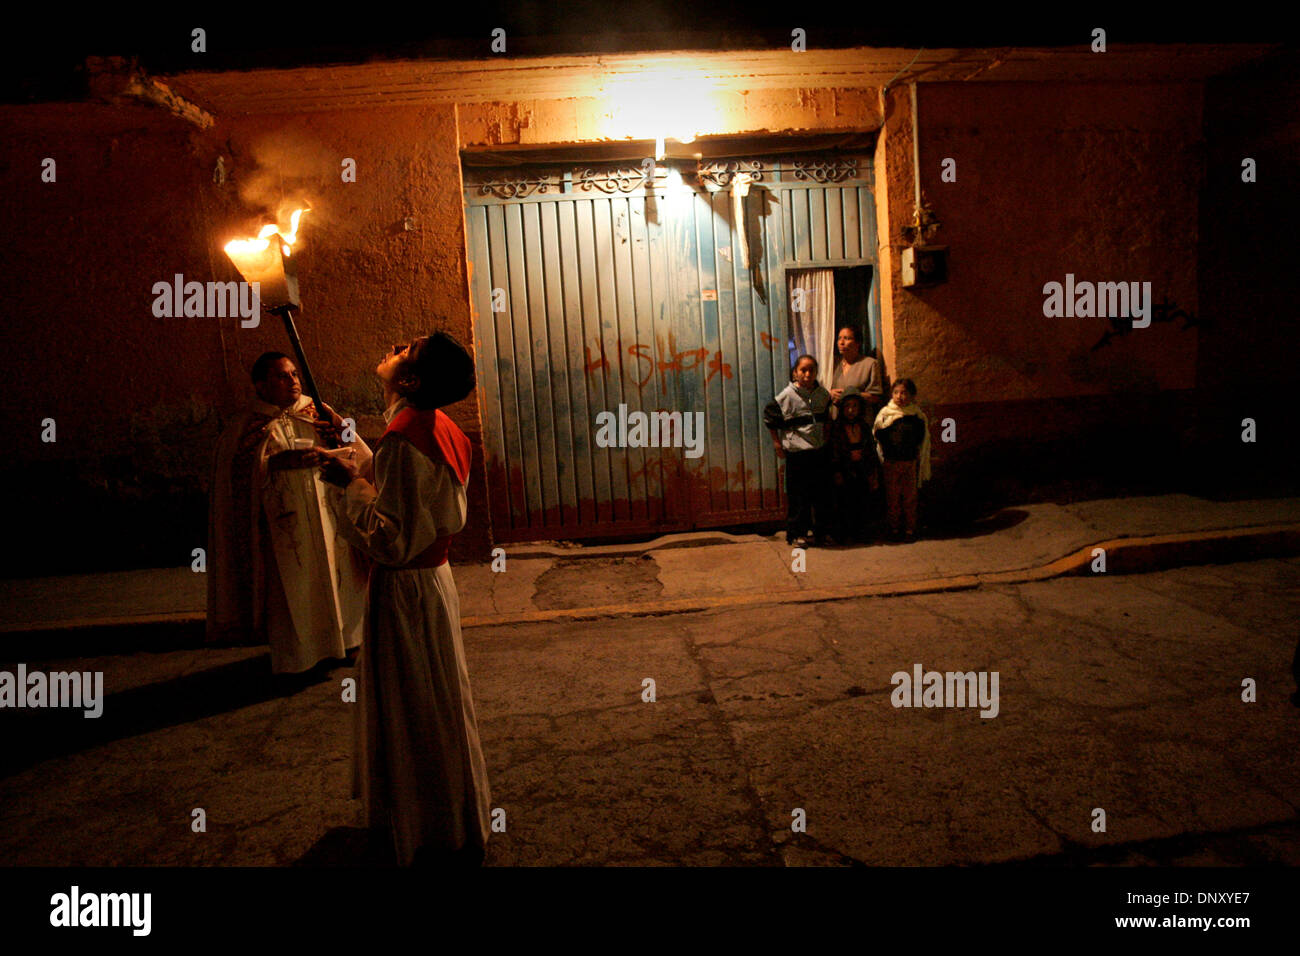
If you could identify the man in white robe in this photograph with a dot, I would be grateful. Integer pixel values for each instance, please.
(420, 767)
(277, 569)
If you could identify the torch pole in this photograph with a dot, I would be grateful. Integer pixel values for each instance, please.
(286, 312)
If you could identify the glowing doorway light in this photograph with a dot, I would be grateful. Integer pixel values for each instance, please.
(661, 103)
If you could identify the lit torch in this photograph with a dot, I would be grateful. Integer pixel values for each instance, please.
(268, 260)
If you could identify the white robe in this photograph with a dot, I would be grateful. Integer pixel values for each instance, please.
(419, 766)
(278, 569)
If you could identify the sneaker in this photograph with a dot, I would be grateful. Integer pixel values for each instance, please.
(799, 543)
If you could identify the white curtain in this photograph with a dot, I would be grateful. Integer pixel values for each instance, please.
(813, 327)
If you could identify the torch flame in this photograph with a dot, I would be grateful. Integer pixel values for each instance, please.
(252, 247)
(246, 247)
(293, 226)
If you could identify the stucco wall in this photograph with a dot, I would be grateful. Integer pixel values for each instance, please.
(138, 400)
(591, 119)
(1099, 181)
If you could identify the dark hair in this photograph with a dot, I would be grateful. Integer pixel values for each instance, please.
(800, 359)
(907, 383)
(857, 332)
(262, 367)
(443, 372)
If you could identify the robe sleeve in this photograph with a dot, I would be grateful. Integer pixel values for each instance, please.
(413, 502)
(364, 458)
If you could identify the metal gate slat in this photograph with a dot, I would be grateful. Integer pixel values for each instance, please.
(575, 368)
(617, 298)
(565, 503)
(597, 384)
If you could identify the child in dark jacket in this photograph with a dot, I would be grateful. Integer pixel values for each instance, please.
(854, 466)
(902, 435)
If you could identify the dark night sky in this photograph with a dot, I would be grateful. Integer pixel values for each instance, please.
(42, 62)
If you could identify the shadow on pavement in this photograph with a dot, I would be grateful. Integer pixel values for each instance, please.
(1001, 521)
(33, 735)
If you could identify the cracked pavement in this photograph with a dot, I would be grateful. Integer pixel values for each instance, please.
(1116, 692)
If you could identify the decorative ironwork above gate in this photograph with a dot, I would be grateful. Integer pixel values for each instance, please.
(519, 188)
(826, 171)
(618, 179)
(720, 174)
(609, 180)
(627, 177)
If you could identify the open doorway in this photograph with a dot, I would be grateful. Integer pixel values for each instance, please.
(824, 300)
(852, 303)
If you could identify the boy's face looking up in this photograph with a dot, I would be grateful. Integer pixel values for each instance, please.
(901, 395)
(805, 374)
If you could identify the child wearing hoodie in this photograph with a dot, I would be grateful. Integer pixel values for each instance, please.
(854, 467)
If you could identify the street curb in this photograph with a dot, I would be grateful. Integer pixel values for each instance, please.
(685, 539)
(1127, 555)
(1122, 556)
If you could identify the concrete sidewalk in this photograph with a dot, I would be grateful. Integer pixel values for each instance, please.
(696, 572)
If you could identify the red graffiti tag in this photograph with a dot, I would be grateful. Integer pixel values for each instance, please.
(669, 358)
(716, 365)
(601, 362)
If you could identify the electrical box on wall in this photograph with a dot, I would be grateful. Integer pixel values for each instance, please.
(924, 266)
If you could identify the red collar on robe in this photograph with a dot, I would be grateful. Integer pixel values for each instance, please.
(436, 436)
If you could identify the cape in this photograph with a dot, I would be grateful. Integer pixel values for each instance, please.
(236, 579)
(438, 438)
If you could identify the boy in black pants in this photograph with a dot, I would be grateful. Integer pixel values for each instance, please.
(797, 420)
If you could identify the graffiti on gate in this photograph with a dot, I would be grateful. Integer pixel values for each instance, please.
(665, 359)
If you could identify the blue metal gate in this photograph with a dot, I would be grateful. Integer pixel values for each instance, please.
(595, 288)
